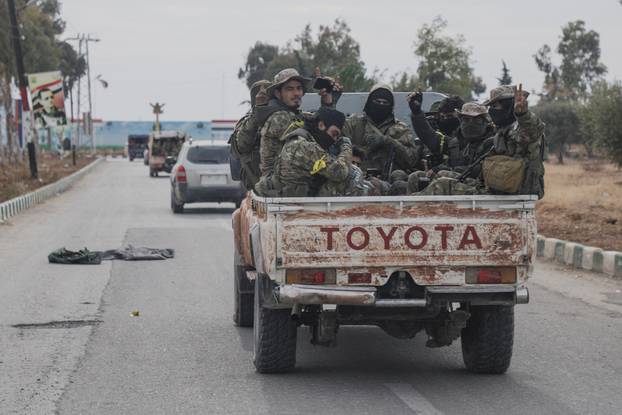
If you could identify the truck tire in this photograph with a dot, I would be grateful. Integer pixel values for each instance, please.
(274, 333)
(243, 296)
(488, 338)
(176, 207)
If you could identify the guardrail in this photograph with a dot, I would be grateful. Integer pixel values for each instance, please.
(14, 206)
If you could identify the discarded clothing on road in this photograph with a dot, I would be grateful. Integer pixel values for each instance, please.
(129, 253)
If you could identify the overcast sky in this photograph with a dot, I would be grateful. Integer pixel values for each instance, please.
(187, 53)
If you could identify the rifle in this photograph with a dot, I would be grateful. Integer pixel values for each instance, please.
(471, 166)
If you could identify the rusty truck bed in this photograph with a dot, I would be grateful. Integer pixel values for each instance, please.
(433, 238)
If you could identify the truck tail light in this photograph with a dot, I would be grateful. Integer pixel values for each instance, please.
(311, 276)
(491, 275)
(180, 175)
(359, 278)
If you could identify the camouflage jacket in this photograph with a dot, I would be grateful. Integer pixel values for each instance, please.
(244, 146)
(473, 151)
(304, 168)
(445, 149)
(404, 154)
(525, 139)
(272, 133)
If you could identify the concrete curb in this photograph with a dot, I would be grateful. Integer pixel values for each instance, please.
(14, 206)
(581, 256)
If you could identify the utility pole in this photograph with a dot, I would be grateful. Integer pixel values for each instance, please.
(21, 77)
(86, 118)
(91, 130)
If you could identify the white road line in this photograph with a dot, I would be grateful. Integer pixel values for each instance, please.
(413, 399)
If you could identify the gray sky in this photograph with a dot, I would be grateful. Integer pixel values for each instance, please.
(187, 53)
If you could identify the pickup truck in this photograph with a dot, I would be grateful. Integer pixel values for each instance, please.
(447, 266)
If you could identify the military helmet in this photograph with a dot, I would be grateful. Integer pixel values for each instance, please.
(434, 108)
(472, 109)
(286, 75)
(502, 92)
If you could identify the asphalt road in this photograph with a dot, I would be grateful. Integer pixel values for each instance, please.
(69, 344)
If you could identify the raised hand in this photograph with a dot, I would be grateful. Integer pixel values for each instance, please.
(520, 101)
(414, 101)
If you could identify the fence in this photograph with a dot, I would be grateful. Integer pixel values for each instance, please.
(14, 206)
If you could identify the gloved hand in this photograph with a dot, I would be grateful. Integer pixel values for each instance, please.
(415, 100)
(342, 141)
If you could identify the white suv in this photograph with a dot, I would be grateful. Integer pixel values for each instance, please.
(202, 174)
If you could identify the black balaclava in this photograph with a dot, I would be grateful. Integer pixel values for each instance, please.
(379, 112)
(448, 125)
(504, 116)
(473, 128)
(329, 116)
(448, 106)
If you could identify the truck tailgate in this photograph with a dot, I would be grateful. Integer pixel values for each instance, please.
(404, 232)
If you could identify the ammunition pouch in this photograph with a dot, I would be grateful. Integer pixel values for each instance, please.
(503, 173)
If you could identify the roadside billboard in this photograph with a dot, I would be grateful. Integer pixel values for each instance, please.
(48, 99)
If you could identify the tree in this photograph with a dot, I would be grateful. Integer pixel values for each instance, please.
(257, 61)
(332, 49)
(602, 119)
(405, 82)
(444, 63)
(505, 79)
(562, 125)
(40, 26)
(579, 50)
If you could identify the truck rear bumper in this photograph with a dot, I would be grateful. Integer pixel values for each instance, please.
(367, 296)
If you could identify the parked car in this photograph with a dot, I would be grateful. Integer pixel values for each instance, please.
(202, 174)
(164, 147)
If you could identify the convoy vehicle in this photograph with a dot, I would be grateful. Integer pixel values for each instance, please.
(448, 266)
(136, 145)
(163, 149)
(353, 102)
(202, 174)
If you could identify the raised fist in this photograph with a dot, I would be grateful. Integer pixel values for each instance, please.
(414, 101)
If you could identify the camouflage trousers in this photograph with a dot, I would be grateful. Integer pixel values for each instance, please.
(446, 183)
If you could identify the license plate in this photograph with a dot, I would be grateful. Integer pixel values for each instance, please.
(212, 179)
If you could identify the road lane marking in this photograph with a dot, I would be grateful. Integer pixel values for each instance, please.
(413, 399)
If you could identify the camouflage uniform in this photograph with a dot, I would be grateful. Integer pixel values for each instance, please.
(304, 168)
(475, 148)
(245, 138)
(524, 138)
(278, 123)
(404, 154)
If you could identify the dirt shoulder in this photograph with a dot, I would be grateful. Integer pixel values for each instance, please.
(582, 203)
(15, 179)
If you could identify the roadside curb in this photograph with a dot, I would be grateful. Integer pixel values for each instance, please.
(16, 205)
(580, 256)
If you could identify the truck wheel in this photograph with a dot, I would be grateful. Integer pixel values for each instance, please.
(131, 159)
(488, 338)
(176, 207)
(274, 333)
(243, 296)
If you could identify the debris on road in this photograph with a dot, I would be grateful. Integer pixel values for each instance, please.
(135, 313)
(129, 253)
